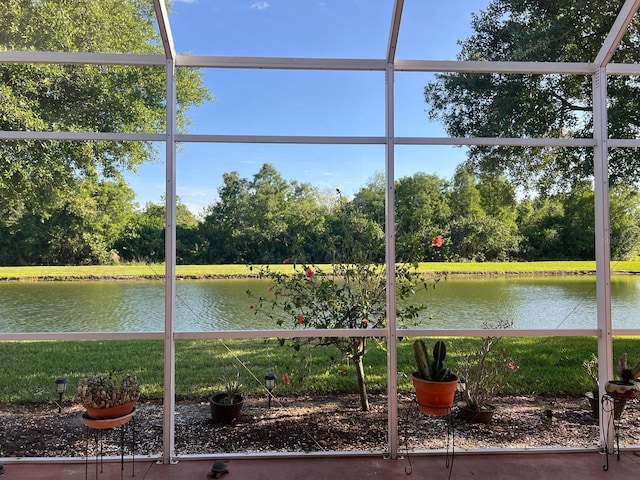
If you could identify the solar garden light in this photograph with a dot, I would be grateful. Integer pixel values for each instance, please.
(61, 387)
(269, 383)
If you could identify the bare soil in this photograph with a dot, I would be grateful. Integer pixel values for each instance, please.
(312, 424)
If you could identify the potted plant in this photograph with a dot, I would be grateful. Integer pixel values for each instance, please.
(226, 406)
(109, 395)
(626, 387)
(434, 383)
(593, 395)
(484, 373)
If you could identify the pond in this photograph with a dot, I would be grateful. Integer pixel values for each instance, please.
(547, 302)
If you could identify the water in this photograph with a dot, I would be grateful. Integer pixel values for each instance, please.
(207, 305)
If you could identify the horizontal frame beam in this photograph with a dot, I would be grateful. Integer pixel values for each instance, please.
(311, 139)
(291, 63)
(309, 333)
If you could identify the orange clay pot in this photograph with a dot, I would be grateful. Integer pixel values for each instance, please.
(435, 398)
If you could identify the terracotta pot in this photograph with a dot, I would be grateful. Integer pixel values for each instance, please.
(482, 415)
(618, 405)
(106, 422)
(110, 412)
(435, 398)
(620, 389)
(225, 412)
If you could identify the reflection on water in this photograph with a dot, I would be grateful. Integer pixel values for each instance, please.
(207, 305)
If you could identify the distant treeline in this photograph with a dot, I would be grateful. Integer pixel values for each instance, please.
(267, 219)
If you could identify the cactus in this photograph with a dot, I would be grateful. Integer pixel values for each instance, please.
(422, 359)
(439, 373)
(434, 371)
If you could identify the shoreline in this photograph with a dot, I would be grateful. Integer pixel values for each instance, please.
(133, 272)
(238, 276)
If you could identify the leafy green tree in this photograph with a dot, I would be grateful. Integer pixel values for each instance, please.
(260, 220)
(540, 222)
(352, 237)
(481, 238)
(498, 198)
(465, 197)
(578, 233)
(505, 105)
(370, 199)
(37, 177)
(144, 238)
(223, 225)
(82, 229)
(624, 213)
(422, 212)
(579, 225)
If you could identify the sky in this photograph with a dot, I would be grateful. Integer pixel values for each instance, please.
(290, 102)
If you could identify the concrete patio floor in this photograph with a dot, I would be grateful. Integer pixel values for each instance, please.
(494, 466)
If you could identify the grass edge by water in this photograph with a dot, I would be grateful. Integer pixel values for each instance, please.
(157, 271)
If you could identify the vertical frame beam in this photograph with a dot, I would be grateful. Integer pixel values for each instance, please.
(602, 245)
(390, 258)
(168, 421)
(390, 237)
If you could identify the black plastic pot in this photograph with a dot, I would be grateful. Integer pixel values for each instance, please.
(223, 412)
(483, 415)
(618, 405)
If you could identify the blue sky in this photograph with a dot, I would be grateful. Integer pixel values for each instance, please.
(287, 102)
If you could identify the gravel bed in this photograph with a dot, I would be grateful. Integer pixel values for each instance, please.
(312, 424)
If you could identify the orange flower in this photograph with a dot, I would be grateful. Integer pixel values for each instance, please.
(300, 318)
(437, 241)
(286, 379)
(309, 273)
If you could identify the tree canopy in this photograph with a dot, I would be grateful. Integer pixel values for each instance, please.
(560, 106)
(37, 177)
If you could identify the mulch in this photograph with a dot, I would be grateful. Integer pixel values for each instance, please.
(315, 424)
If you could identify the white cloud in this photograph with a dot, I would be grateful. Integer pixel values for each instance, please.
(260, 5)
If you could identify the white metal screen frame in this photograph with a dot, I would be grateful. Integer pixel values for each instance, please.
(599, 70)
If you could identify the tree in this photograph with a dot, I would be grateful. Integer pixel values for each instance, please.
(144, 238)
(624, 214)
(579, 232)
(465, 196)
(422, 212)
(82, 229)
(370, 199)
(259, 220)
(498, 198)
(482, 238)
(224, 221)
(36, 177)
(345, 295)
(506, 105)
(540, 221)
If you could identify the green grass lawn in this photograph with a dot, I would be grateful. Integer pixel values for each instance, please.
(157, 270)
(548, 365)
